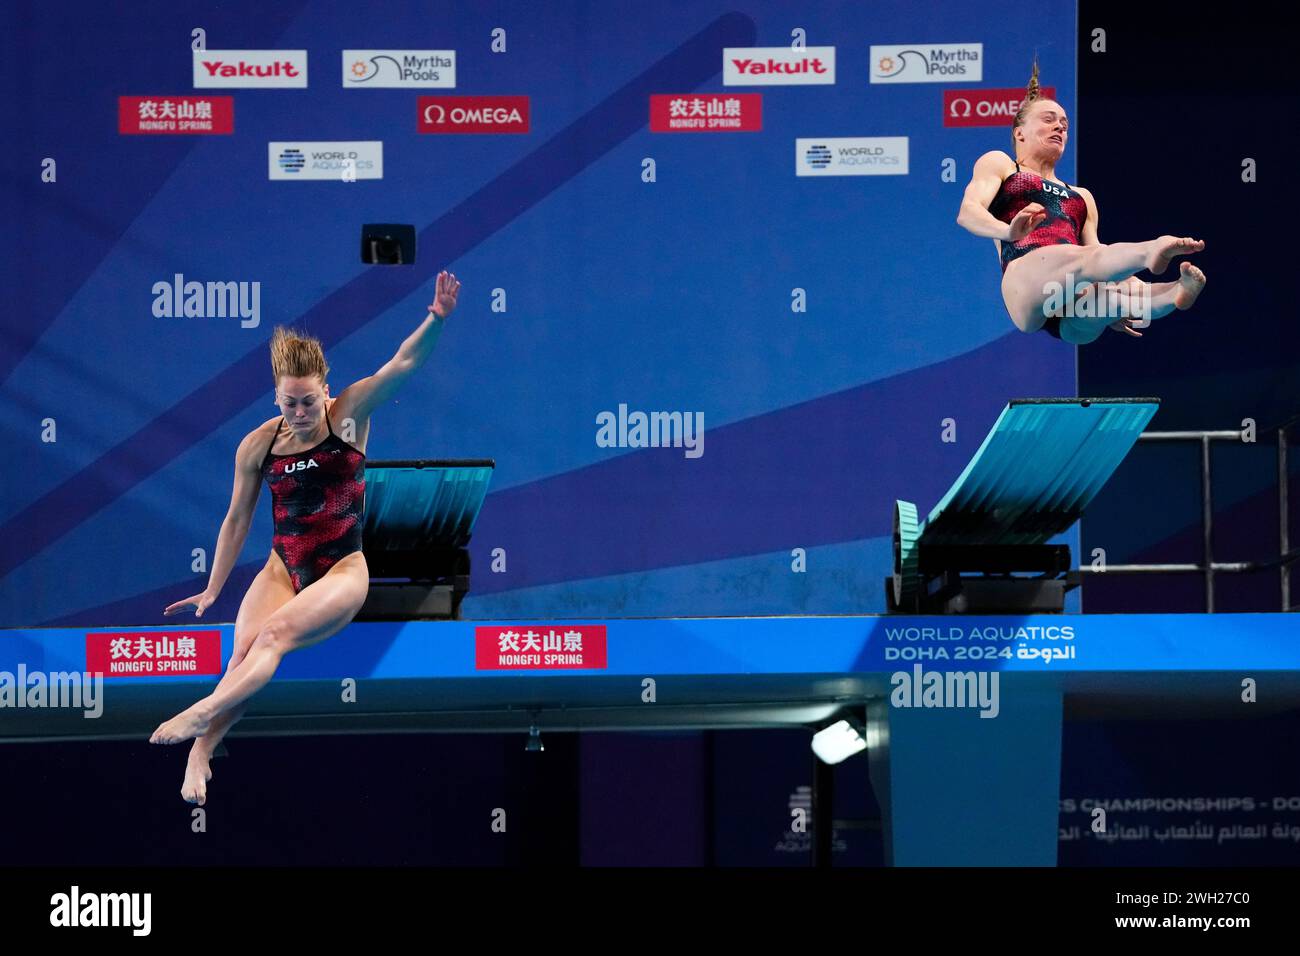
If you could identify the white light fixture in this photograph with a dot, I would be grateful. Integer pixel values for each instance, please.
(837, 742)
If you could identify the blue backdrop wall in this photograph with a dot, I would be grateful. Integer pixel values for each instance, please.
(680, 295)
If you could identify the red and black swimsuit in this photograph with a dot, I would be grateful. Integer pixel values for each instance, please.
(318, 502)
(1063, 225)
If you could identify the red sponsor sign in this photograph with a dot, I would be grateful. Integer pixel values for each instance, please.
(705, 112)
(985, 107)
(473, 114)
(153, 653)
(540, 647)
(175, 115)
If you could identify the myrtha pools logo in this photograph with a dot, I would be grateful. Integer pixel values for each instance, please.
(399, 68)
(933, 63)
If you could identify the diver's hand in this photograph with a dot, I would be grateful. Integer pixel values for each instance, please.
(200, 602)
(1025, 221)
(444, 299)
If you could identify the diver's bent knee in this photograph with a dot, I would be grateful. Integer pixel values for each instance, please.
(274, 635)
(1087, 264)
(239, 653)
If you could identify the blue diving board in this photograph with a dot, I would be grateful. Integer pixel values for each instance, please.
(1039, 467)
(424, 503)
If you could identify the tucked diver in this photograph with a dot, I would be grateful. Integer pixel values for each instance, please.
(1046, 234)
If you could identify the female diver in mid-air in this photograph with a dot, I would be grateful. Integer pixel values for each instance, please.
(1046, 233)
(316, 578)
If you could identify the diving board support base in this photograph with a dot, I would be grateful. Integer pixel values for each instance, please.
(951, 593)
(1039, 466)
(410, 602)
(423, 585)
(958, 789)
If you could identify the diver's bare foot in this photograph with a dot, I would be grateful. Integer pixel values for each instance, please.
(197, 775)
(1166, 247)
(1190, 284)
(185, 725)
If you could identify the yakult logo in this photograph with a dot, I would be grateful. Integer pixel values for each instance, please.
(777, 65)
(247, 68)
(985, 107)
(474, 114)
